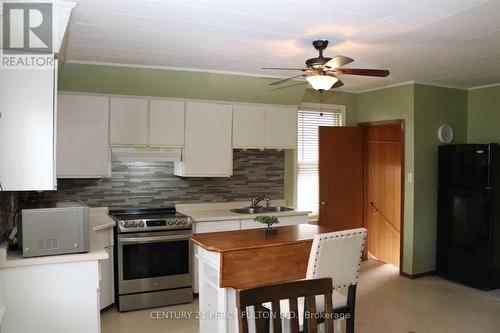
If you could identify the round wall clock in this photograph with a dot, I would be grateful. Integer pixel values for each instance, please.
(445, 133)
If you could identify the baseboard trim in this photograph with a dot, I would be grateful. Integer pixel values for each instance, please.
(417, 276)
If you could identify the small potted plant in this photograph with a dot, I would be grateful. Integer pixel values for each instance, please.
(269, 220)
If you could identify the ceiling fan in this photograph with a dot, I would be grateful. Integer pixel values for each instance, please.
(322, 72)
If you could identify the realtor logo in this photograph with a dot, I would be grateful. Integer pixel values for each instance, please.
(27, 28)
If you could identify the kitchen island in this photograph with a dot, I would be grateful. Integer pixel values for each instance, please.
(246, 258)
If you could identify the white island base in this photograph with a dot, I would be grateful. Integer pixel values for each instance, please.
(217, 305)
(243, 259)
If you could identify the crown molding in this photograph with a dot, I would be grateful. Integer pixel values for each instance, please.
(386, 87)
(179, 69)
(439, 85)
(485, 86)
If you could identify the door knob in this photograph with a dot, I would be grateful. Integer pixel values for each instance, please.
(322, 203)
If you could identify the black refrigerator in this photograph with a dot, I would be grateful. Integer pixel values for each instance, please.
(468, 226)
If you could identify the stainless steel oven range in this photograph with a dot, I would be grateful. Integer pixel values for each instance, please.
(154, 258)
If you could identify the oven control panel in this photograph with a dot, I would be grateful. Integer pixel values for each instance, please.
(150, 219)
(165, 224)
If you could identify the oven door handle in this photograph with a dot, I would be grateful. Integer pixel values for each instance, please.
(138, 240)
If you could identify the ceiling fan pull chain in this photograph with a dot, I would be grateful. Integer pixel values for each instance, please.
(321, 102)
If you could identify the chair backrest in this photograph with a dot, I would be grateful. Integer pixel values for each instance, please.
(290, 291)
(337, 255)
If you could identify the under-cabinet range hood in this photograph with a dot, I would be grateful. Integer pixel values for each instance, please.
(145, 154)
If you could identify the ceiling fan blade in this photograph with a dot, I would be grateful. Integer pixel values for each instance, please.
(364, 72)
(289, 78)
(338, 61)
(337, 84)
(285, 68)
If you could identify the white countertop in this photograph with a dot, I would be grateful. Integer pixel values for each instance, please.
(98, 220)
(206, 212)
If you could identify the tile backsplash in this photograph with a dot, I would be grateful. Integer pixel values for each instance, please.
(136, 184)
(9, 204)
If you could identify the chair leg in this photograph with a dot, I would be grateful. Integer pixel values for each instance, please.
(349, 324)
(351, 300)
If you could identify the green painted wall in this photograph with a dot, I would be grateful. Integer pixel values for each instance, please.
(350, 100)
(390, 104)
(475, 116)
(433, 106)
(484, 115)
(182, 84)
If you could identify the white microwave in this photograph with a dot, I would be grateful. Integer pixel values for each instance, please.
(52, 228)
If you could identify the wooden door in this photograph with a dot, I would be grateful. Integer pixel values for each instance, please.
(341, 177)
(383, 170)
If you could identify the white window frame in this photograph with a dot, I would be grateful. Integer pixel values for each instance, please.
(315, 107)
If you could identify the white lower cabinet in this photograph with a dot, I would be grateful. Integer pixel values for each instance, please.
(106, 282)
(56, 297)
(106, 270)
(216, 226)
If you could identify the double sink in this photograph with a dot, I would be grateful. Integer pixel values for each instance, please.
(260, 210)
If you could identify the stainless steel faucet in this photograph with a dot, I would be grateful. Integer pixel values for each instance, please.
(259, 198)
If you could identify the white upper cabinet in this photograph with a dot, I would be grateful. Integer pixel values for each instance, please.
(281, 127)
(128, 121)
(207, 146)
(83, 136)
(166, 123)
(27, 114)
(249, 126)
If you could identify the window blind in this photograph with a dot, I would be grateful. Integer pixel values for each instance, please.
(308, 155)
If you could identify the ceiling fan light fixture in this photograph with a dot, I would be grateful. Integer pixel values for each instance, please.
(321, 82)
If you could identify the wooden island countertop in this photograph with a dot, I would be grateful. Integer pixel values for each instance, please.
(227, 241)
(249, 257)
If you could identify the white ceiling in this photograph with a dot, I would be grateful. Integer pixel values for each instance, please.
(447, 42)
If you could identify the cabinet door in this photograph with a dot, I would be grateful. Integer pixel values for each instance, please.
(284, 221)
(166, 123)
(128, 121)
(83, 136)
(204, 227)
(281, 127)
(207, 147)
(249, 126)
(106, 282)
(27, 147)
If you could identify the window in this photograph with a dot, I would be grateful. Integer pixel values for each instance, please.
(309, 121)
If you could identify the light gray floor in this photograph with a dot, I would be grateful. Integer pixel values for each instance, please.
(386, 303)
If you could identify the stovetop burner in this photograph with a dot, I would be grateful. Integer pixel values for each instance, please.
(150, 219)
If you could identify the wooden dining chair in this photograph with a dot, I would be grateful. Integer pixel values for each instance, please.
(335, 255)
(290, 291)
(338, 255)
